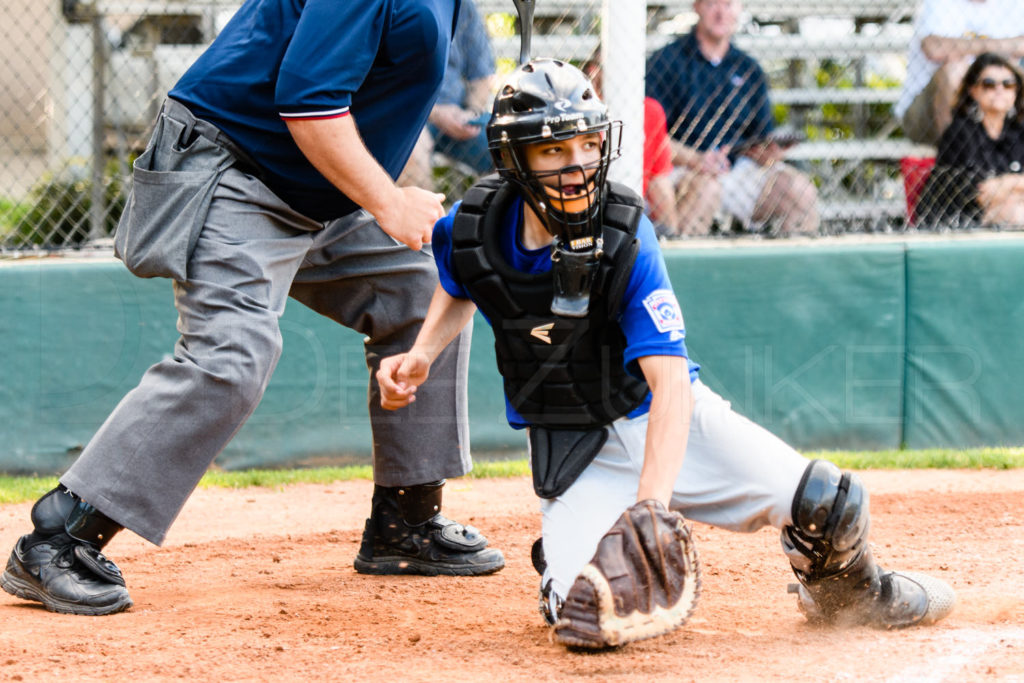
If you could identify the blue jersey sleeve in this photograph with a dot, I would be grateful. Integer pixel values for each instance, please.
(441, 244)
(329, 56)
(651, 317)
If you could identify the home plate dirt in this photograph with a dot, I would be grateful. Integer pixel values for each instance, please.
(257, 584)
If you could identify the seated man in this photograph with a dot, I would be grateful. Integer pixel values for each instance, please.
(719, 116)
(590, 343)
(948, 35)
(453, 126)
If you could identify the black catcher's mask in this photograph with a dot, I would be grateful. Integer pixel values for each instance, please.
(541, 101)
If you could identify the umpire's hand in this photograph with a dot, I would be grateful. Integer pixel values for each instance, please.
(399, 376)
(410, 219)
(335, 148)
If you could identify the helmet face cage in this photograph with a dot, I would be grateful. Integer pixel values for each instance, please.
(547, 100)
(573, 230)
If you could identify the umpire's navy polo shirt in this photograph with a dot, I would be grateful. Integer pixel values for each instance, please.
(709, 105)
(381, 60)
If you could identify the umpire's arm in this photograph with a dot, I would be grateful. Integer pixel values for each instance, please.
(336, 149)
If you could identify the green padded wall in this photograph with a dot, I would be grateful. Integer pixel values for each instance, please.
(965, 344)
(81, 335)
(75, 337)
(851, 346)
(78, 336)
(806, 341)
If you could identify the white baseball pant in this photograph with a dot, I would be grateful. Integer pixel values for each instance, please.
(736, 475)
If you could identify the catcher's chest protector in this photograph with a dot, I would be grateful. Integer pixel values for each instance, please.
(558, 372)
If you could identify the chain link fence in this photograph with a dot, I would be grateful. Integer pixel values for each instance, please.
(82, 81)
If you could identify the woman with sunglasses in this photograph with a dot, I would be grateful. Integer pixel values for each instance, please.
(977, 178)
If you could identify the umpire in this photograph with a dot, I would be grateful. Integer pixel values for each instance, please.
(270, 174)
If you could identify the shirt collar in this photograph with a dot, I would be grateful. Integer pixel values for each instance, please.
(692, 48)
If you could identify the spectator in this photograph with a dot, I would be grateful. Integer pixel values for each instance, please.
(948, 34)
(465, 96)
(658, 190)
(720, 118)
(977, 177)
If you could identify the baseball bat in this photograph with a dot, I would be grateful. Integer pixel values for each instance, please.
(525, 10)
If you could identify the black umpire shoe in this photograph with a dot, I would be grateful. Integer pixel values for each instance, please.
(60, 564)
(406, 534)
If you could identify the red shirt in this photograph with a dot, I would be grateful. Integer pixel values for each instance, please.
(657, 155)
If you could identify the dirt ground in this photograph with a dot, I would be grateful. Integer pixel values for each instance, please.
(257, 584)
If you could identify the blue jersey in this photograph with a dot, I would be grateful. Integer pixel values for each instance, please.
(651, 319)
(380, 60)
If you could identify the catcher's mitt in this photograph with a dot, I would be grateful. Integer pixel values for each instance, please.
(643, 581)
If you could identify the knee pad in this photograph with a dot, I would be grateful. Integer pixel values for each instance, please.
(830, 521)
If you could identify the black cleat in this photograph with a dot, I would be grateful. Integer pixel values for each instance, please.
(66, 575)
(406, 534)
(904, 599)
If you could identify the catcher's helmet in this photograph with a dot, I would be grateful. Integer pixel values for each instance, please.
(542, 101)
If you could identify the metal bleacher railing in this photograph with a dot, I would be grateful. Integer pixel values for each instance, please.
(83, 80)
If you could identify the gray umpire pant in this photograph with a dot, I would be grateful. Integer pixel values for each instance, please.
(251, 253)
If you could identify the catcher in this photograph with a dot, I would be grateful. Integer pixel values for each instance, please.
(623, 435)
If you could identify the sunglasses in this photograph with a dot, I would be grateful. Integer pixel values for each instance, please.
(991, 83)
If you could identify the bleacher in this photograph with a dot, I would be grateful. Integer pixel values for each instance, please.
(853, 156)
(856, 163)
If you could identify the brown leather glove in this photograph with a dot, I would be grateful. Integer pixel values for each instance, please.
(642, 582)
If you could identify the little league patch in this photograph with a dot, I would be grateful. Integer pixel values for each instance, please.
(662, 306)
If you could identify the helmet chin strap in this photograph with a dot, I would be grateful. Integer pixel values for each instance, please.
(573, 276)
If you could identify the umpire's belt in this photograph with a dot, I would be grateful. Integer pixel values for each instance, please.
(243, 162)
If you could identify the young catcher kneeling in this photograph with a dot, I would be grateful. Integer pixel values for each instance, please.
(624, 437)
